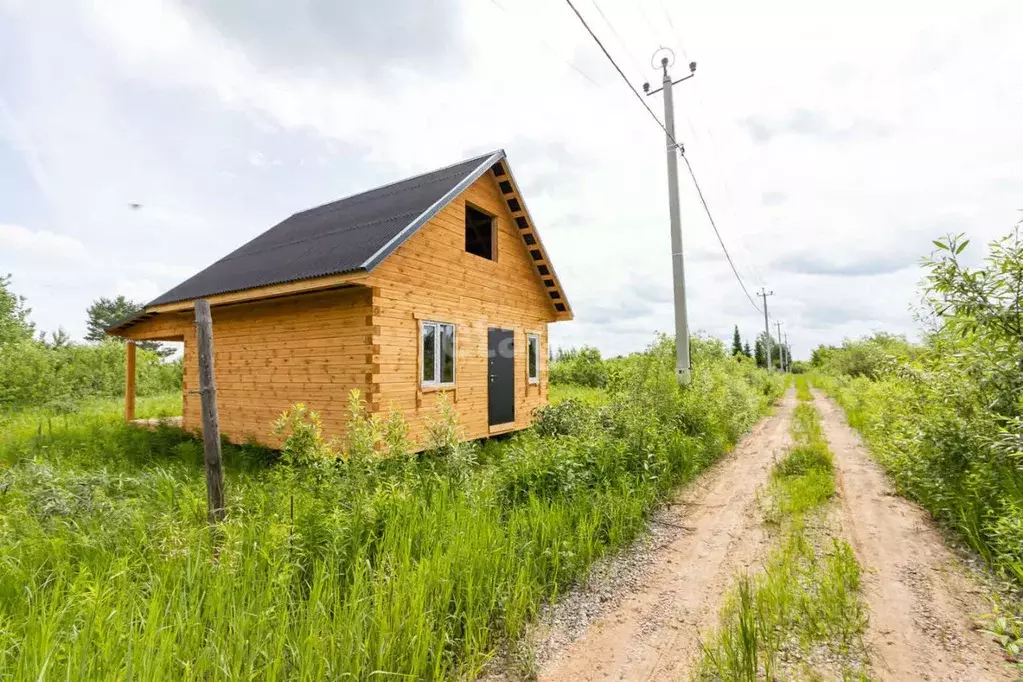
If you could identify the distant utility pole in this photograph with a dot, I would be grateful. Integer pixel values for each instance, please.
(683, 367)
(781, 348)
(788, 355)
(767, 326)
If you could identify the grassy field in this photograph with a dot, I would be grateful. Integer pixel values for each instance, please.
(587, 394)
(333, 562)
(25, 422)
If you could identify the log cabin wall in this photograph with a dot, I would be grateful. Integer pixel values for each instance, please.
(431, 277)
(267, 355)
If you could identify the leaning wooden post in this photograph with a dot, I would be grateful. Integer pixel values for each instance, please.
(210, 419)
(129, 382)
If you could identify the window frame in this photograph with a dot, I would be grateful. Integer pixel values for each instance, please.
(436, 381)
(529, 342)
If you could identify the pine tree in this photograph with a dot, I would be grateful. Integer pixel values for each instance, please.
(106, 312)
(746, 350)
(736, 342)
(760, 353)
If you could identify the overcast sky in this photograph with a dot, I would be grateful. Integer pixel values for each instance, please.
(832, 144)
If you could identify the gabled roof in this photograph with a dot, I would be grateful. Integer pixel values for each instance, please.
(356, 234)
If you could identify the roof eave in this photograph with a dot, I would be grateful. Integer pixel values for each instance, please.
(558, 316)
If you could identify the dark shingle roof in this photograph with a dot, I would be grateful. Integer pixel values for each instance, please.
(355, 233)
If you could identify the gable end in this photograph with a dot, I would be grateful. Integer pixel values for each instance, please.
(432, 211)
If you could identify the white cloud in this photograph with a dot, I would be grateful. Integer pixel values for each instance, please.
(21, 240)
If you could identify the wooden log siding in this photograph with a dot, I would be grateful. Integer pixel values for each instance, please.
(431, 277)
(311, 348)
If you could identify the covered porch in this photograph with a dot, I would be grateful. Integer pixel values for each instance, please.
(131, 379)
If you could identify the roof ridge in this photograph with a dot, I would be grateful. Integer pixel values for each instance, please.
(356, 195)
(357, 199)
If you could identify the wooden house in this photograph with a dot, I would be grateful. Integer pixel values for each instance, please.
(434, 284)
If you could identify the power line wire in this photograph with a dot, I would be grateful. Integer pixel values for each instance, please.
(710, 216)
(620, 73)
(549, 47)
(699, 191)
(681, 43)
(621, 42)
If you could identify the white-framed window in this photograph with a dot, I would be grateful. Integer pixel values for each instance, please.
(437, 365)
(533, 358)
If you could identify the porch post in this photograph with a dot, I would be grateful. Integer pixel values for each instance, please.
(129, 383)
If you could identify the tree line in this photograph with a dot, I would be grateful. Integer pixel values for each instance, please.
(759, 350)
(53, 370)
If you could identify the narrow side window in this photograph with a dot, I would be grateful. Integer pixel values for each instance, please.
(429, 353)
(447, 353)
(533, 358)
(438, 354)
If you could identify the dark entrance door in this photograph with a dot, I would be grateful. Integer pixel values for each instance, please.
(501, 371)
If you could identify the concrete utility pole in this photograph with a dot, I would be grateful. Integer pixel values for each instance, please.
(788, 356)
(683, 367)
(781, 348)
(767, 327)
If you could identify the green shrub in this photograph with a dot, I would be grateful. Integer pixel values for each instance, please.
(945, 418)
(566, 418)
(33, 374)
(582, 367)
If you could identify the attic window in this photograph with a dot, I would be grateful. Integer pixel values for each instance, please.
(479, 233)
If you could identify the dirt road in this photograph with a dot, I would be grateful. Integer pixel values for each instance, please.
(921, 601)
(652, 634)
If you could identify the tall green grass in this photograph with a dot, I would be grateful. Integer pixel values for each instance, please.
(414, 566)
(587, 394)
(803, 387)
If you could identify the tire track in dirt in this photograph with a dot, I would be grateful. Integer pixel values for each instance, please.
(920, 599)
(654, 632)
